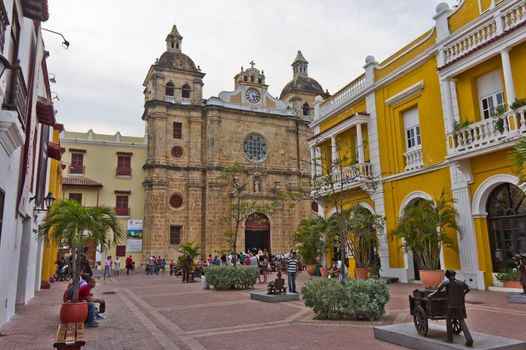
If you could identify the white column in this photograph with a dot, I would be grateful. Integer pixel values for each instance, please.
(317, 161)
(359, 141)
(508, 77)
(448, 104)
(334, 149)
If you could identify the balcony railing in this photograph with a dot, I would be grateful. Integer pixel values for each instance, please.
(342, 97)
(123, 171)
(413, 159)
(122, 211)
(17, 94)
(186, 101)
(488, 133)
(347, 178)
(168, 98)
(76, 169)
(505, 19)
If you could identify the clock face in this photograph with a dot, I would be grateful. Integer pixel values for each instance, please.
(252, 95)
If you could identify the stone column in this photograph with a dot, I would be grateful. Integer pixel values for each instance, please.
(334, 151)
(448, 104)
(508, 77)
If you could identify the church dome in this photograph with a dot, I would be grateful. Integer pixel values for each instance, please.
(177, 60)
(302, 83)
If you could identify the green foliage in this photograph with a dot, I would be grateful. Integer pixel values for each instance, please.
(519, 158)
(189, 249)
(71, 223)
(423, 228)
(362, 239)
(498, 120)
(355, 299)
(232, 277)
(461, 125)
(519, 102)
(310, 239)
(508, 275)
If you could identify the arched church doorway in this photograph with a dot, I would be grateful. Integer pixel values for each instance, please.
(506, 210)
(257, 233)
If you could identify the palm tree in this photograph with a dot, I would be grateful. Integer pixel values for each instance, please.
(362, 239)
(190, 249)
(519, 157)
(70, 223)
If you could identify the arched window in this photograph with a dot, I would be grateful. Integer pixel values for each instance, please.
(306, 108)
(252, 78)
(506, 210)
(170, 89)
(186, 91)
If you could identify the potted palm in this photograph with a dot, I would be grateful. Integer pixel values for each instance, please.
(70, 223)
(308, 240)
(362, 240)
(423, 228)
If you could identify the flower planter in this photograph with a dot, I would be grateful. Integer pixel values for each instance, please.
(362, 273)
(324, 272)
(311, 269)
(512, 284)
(431, 278)
(73, 312)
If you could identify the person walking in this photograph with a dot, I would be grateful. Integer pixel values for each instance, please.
(116, 266)
(129, 264)
(292, 270)
(107, 266)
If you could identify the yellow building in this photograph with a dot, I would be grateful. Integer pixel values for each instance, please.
(107, 169)
(438, 115)
(50, 249)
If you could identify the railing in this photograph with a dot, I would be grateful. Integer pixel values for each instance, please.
(76, 169)
(485, 32)
(343, 96)
(123, 171)
(186, 101)
(4, 22)
(346, 178)
(413, 159)
(17, 95)
(488, 132)
(122, 211)
(168, 98)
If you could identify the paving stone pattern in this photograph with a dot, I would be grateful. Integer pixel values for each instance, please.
(160, 312)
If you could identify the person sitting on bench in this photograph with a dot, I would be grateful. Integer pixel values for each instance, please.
(335, 270)
(85, 294)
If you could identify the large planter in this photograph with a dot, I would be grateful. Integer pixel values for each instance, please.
(431, 278)
(512, 284)
(73, 312)
(362, 273)
(324, 272)
(311, 269)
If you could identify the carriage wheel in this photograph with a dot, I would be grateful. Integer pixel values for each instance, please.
(455, 323)
(420, 320)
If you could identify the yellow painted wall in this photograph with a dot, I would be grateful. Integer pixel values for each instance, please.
(467, 12)
(391, 123)
(395, 192)
(518, 67)
(349, 112)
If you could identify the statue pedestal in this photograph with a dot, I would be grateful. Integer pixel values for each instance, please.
(405, 334)
(516, 298)
(274, 298)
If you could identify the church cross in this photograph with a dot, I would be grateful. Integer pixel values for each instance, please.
(252, 64)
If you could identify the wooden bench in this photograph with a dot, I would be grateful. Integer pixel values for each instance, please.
(70, 336)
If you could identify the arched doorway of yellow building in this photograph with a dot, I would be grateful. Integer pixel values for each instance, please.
(506, 208)
(257, 233)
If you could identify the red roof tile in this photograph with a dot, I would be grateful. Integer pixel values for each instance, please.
(80, 181)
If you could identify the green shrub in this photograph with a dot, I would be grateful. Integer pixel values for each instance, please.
(230, 277)
(508, 275)
(356, 299)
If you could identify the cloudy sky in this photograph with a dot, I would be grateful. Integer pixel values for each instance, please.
(114, 42)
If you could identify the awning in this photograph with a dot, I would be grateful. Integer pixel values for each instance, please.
(54, 151)
(80, 181)
(35, 9)
(45, 112)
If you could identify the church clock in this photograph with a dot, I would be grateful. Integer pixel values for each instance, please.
(252, 95)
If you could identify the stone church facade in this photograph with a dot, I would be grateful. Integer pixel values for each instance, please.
(191, 141)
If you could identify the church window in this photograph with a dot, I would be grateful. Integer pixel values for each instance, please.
(177, 45)
(186, 91)
(259, 80)
(178, 130)
(121, 205)
(252, 78)
(170, 89)
(255, 148)
(176, 201)
(177, 151)
(314, 206)
(172, 45)
(306, 108)
(175, 235)
(245, 78)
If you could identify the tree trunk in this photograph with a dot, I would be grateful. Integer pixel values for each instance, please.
(76, 273)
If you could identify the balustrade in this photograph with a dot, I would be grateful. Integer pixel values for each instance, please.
(186, 101)
(344, 178)
(169, 98)
(343, 96)
(413, 159)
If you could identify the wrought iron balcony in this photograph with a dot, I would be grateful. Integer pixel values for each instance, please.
(349, 177)
(17, 95)
(488, 134)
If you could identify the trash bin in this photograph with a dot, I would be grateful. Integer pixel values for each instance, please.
(204, 283)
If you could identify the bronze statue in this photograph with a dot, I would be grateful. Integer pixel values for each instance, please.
(277, 286)
(456, 307)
